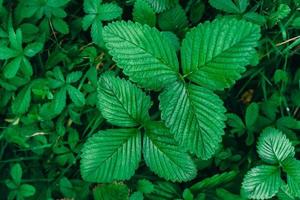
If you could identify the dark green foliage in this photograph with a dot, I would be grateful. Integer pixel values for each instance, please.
(149, 99)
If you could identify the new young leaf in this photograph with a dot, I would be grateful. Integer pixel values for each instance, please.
(273, 147)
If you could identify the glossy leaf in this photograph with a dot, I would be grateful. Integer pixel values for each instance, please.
(111, 155)
(196, 117)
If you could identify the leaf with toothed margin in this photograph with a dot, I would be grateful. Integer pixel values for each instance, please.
(196, 117)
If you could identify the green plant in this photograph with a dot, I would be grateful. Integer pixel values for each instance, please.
(149, 99)
(277, 152)
(194, 114)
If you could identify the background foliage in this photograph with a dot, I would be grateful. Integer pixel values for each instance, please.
(52, 54)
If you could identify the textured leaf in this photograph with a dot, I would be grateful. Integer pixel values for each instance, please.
(109, 11)
(173, 19)
(121, 102)
(111, 155)
(165, 191)
(143, 13)
(273, 147)
(262, 182)
(285, 193)
(21, 103)
(195, 116)
(215, 58)
(163, 155)
(144, 53)
(292, 167)
(214, 181)
(161, 5)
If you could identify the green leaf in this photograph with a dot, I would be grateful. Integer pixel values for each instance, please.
(173, 19)
(15, 38)
(33, 48)
(91, 6)
(121, 102)
(163, 155)
(16, 173)
(255, 18)
(114, 191)
(282, 12)
(10, 69)
(60, 25)
(215, 58)
(145, 186)
(27, 190)
(214, 181)
(21, 103)
(236, 123)
(26, 67)
(195, 115)
(262, 182)
(73, 77)
(292, 167)
(144, 53)
(111, 155)
(161, 5)
(252, 114)
(7, 53)
(76, 96)
(285, 193)
(109, 11)
(229, 6)
(57, 3)
(66, 188)
(273, 147)
(226, 195)
(137, 196)
(87, 21)
(143, 13)
(96, 33)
